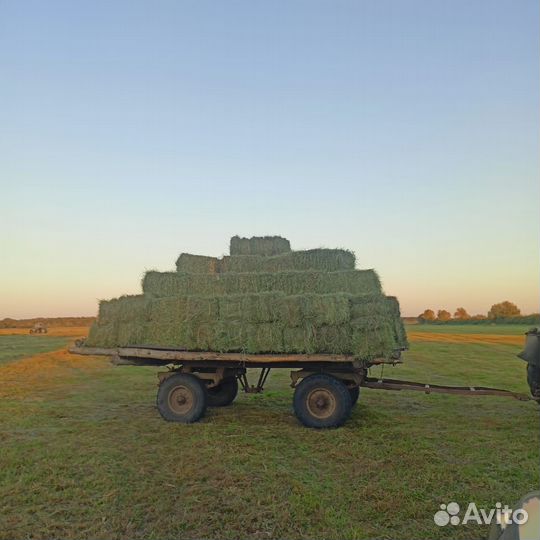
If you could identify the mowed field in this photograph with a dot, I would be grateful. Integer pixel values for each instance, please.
(85, 454)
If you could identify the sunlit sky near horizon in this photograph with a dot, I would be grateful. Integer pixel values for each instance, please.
(406, 131)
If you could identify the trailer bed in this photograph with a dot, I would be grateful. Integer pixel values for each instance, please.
(164, 355)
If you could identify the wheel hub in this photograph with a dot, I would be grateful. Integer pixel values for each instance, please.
(321, 403)
(181, 399)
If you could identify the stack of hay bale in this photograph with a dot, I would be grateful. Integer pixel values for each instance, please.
(262, 298)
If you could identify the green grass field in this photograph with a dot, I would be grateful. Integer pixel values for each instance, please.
(15, 347)
(86, 455)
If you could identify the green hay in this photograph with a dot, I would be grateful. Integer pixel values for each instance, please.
(252, 338)
(203, 336)
(399, 328)
(369, 305)
(251, 308)
(197, 264)
(176, 335)
(299, 339)
(366, 326)
(333, 339)
(105, 335)
(131, 334)
(328, 260)
(123, 309)
(314, 309)
(229, 337)
(360, 338)
(264, 338)
(262, 298)
(372, 337)
(160, 284)
(184, 309)
(259, 245)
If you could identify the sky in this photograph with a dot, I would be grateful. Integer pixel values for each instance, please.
(406, 131)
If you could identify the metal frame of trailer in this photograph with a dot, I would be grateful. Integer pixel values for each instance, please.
(326, 385)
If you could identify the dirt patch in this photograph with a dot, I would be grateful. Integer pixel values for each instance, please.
(45, 371)
(492, 339)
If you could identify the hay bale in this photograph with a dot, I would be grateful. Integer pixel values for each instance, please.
(159, 284)
(332, 339)
(259, 245)
(197, 264)
(264, 338)
(349, 281)
(124, 309)
(314, 309)
(184, 309)
(102, 335)
(229, 337)
(165, 283)
(372, 337)
(131, 333)
(366, 326)
(328, 260)
(250, 308)
(299, 339)
(367, 305)
(262, 298)
(203, 336)
(399, 328)
(170, 335)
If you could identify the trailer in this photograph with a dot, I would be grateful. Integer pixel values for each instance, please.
(326, 386)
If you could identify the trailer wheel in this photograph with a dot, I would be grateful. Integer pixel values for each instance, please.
(322, 401)
(355, 393)
(182, 398)
(224, 393)
(533, 379)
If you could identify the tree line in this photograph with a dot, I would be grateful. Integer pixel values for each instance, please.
(504, 312)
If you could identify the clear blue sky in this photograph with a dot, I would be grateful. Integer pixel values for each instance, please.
(406, 131)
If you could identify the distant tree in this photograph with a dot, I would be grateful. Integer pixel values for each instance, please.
(427, 316)
(478, 317)
(503, 309)
(461, 314)
(443, 315)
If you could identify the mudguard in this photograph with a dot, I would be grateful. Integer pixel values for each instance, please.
(531, 353)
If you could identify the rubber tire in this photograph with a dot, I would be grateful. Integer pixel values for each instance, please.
(223, 394)
(533, 380)
(340, 393)
(198, 390)
(355, 394)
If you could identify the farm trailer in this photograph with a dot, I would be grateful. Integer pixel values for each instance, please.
(326, 386)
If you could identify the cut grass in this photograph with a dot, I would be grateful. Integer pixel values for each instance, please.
(502, 329)
(86, 455)
(13, 347)
(467, 338)
(52, 331)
